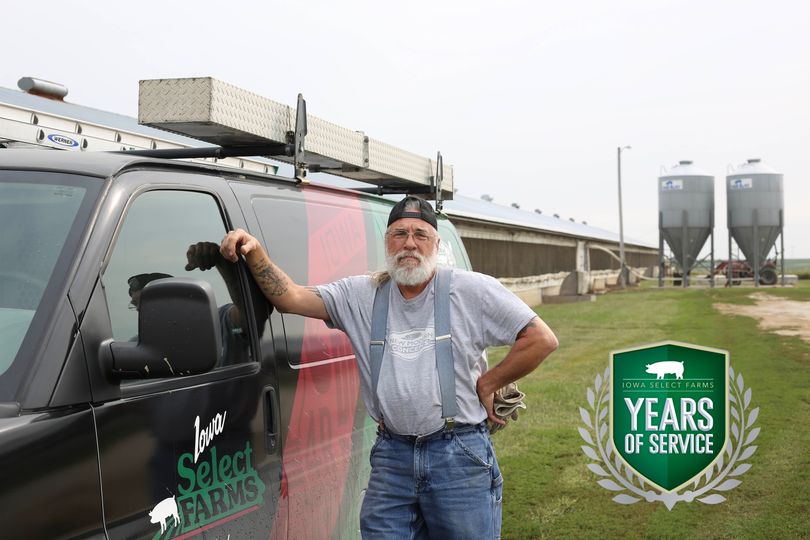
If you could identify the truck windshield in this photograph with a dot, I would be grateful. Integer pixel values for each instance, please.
(39, 218)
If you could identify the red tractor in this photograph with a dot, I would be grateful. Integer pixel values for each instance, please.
(741, 270)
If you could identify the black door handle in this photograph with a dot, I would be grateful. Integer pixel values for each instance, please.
(271, 420)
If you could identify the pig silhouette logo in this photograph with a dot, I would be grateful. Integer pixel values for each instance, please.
(666, 368)
(161, 512)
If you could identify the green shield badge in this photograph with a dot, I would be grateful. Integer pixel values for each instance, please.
(669, 413)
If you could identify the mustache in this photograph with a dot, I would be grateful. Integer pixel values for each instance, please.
(408, 253)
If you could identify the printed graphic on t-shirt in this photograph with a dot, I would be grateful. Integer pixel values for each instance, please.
(410, 344)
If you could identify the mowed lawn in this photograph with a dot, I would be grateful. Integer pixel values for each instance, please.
(550, 493)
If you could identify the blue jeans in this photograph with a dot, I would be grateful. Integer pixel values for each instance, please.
(443, 485)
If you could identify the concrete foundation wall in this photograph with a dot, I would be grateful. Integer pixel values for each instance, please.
(570, 286)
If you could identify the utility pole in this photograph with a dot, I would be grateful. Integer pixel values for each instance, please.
(623, 264)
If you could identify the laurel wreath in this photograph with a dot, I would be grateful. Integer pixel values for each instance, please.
(631, 488)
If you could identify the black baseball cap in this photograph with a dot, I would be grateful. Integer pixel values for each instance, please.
(425, 211)
(139, 281)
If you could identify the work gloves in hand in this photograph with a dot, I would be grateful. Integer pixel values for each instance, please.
(506, 404)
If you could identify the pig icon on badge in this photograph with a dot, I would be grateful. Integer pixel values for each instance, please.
(161, 512)
(666, 368)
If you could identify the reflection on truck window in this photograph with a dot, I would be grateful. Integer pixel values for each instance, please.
(35, 220)
(174, 234)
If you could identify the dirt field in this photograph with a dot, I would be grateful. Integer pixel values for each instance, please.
(777, 315)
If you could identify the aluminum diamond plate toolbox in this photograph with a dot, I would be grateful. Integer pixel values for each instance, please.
(222, 114)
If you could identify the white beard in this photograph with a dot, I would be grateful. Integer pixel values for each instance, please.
(409, 275)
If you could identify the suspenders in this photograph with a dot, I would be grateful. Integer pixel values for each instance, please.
(443, 346)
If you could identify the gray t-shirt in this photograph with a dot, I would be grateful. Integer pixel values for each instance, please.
(483, 313)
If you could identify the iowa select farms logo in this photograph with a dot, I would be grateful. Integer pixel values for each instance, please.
(669, 422)
(214, 487)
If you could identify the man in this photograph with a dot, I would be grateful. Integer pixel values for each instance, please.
(431, 477)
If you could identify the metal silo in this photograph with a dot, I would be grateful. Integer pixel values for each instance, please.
(685, 215)
(756, 216)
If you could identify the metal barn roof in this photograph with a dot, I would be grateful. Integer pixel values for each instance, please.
(467, 207)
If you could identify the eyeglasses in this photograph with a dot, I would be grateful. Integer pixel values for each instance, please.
(401, 236)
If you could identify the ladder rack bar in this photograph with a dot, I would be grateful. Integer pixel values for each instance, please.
(397, 190)
(214, 152)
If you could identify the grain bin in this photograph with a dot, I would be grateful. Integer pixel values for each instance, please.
(685, 215)
(756, 205)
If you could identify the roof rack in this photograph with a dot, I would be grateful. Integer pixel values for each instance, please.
(240, 121)
(31, 121)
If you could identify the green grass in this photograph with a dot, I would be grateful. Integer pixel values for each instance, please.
(549, 492)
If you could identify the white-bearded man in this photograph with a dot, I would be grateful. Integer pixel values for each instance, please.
(432, 475)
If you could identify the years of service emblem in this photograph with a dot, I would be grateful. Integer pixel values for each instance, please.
(668, 422)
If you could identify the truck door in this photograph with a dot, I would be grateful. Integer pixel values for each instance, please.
(316, 236)
(191, 455)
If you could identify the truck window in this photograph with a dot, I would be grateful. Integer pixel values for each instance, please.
(37, 214)
(175, 234)
(318, 237)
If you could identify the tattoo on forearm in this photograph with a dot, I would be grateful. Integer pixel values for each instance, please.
(315, 290)
(523, 331)
(270, 281)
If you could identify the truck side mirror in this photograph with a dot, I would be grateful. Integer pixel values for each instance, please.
(178, 333)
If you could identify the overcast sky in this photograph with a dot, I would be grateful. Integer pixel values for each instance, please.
(528, 100)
